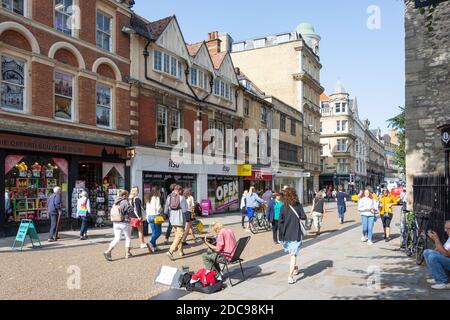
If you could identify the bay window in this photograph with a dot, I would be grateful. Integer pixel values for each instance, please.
(168, 64)
(12, 83)
(194, 77)
(104, 106)
(63, 96)
(173, 66)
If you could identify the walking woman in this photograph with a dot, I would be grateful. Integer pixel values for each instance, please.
(189, 216)
(290, 230)
(318, 211)
(253, 201)
(153, 209)
(244, 207)
(366, 208)
(122, 227)
(136, 220)
(386, 212)
(83, 212)
(273, 215)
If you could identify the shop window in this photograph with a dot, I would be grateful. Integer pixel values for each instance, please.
(29, 182)
(16, 6)
(104, 27)
(63, 16)
(223, 192)
(63, 96)
(13, 84)
(104, 106)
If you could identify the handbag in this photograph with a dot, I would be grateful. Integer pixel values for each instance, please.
(302, 226)
(159, 220)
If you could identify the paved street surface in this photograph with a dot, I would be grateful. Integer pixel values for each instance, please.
(335, 266)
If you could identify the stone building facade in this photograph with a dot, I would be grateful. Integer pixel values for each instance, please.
(427, 91)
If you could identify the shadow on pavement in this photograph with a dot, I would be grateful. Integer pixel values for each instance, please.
(316, 268)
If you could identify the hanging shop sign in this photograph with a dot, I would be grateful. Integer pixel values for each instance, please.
(244, 170)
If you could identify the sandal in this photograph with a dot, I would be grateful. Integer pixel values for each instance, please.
(296, 272)
(291, 280)
(107, 256)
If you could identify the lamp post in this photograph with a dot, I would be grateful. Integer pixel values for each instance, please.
(445, 136)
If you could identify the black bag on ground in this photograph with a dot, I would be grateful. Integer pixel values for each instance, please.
(197, 287)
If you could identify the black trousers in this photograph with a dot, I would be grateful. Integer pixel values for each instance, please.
(275, 230)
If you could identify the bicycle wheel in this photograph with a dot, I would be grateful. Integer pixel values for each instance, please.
(409, 243)
(420, 248)
(254, 225)
(268, 225)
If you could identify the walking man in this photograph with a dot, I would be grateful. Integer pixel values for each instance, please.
(54, 211)
(341, 198)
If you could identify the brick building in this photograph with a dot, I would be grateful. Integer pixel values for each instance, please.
(64, 103)
(174, 87)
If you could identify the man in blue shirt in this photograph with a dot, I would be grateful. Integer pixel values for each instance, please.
(54, 203)
(341, 198)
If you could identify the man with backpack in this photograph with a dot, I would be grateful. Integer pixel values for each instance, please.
(176, 207)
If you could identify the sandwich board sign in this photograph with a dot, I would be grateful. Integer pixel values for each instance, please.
(26, 228)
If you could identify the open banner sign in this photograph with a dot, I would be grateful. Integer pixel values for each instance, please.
(427, 3)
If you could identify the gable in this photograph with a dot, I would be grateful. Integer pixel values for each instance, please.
(203, 59)
(227, 71)
(173, 41)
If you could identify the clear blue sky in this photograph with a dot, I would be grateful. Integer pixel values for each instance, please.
(370, 63)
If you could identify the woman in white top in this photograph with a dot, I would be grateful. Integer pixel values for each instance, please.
(366, 208)
(153, 208)
(190, 216)
(244, 207)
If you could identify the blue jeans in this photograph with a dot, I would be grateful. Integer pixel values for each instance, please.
(438, 265)
(156, 231)
(53, 223)
(84, 226)
(367, 226)
(341, 212)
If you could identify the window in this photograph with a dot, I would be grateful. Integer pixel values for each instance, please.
(157, 60)
(222, 88)
(239, 46)
(219, 138)
(216, 87)
(173, 66)
(246, 107)
(344, 107)
(322, 165)
(341, 125)
(104, 106)
(228, 91)
(63, 16)
(13, 84)
(16, 6)
(342, 166)
(357, 165)
(338, 107)
(229, 141)
(162, 125)
(259, 43)
(289, 152)
(180, 71)
(63, 96)
(175, 125)
(321, 127)
(341, 145)
(263, 113)
(205, 82)
(293, 127)
(194, 77)
(357, 146)
(104, 31)
(166, 63)
(282, 122)
(322, 151)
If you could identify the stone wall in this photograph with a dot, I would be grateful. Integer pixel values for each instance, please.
(427, 90)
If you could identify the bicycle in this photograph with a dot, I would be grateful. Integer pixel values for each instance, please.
(259, 222)
(422, 244)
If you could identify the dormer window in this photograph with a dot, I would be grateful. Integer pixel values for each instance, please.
(283, 38)
(238, 46)
(168, 64)
(259, 43)
(222, 89)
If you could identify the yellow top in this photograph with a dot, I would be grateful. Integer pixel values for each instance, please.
(386, 203)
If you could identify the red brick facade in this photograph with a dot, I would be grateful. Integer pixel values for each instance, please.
(41, 66)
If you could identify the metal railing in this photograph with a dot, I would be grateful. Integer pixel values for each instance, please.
(430, 196)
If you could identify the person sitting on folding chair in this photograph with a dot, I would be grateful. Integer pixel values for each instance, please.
(224, 247)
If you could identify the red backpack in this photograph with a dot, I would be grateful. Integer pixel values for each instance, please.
(174, 202)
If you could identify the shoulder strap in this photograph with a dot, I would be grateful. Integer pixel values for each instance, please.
(295, 211)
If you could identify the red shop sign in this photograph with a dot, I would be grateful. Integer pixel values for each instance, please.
(260, 175)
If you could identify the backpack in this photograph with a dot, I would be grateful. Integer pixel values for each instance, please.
(174, 202)
(117, 214)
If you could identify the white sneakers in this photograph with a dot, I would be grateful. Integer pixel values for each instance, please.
(431, 281)
(144, 246)
(370, 243)
(441, 286)
(364, 239)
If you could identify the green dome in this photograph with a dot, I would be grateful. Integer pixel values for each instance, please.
(305, 28)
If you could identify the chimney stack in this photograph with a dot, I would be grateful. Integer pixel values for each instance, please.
(213, 42)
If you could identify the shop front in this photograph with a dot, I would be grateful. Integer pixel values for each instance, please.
(260, 179)
(216, 184)
(34, 166)
(292, 178)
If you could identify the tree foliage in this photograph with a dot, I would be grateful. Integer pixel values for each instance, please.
(428, 13)
(399, 124)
